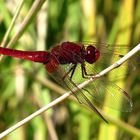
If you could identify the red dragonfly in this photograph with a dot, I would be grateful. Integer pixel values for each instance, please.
(63, 62)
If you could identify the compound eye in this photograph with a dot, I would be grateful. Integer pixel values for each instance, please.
(92, 54)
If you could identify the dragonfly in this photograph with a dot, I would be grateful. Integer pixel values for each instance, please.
(69, 61)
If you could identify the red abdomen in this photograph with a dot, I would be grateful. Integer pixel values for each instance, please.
(36, 56)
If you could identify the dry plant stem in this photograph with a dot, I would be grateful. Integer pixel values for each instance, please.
(48, 120)
(27, 20)
(67, 94)
(111, 67)
(19, 124)
(12, 23)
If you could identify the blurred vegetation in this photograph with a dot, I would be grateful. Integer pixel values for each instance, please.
(25, 86)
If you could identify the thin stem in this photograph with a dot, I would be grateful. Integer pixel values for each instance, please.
(3, 44)
(67, 94)
(111, 67)
(27, 20)
(43, 109)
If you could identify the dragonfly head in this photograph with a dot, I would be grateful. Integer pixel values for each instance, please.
(92, 54)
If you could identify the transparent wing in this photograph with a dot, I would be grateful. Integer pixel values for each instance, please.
(68, 84)
(110, 53)
(96, 93)
(102, 89)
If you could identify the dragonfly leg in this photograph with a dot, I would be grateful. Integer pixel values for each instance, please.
(72, 69)
(84, 72)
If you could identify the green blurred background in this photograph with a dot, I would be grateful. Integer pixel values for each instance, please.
(25, 86)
